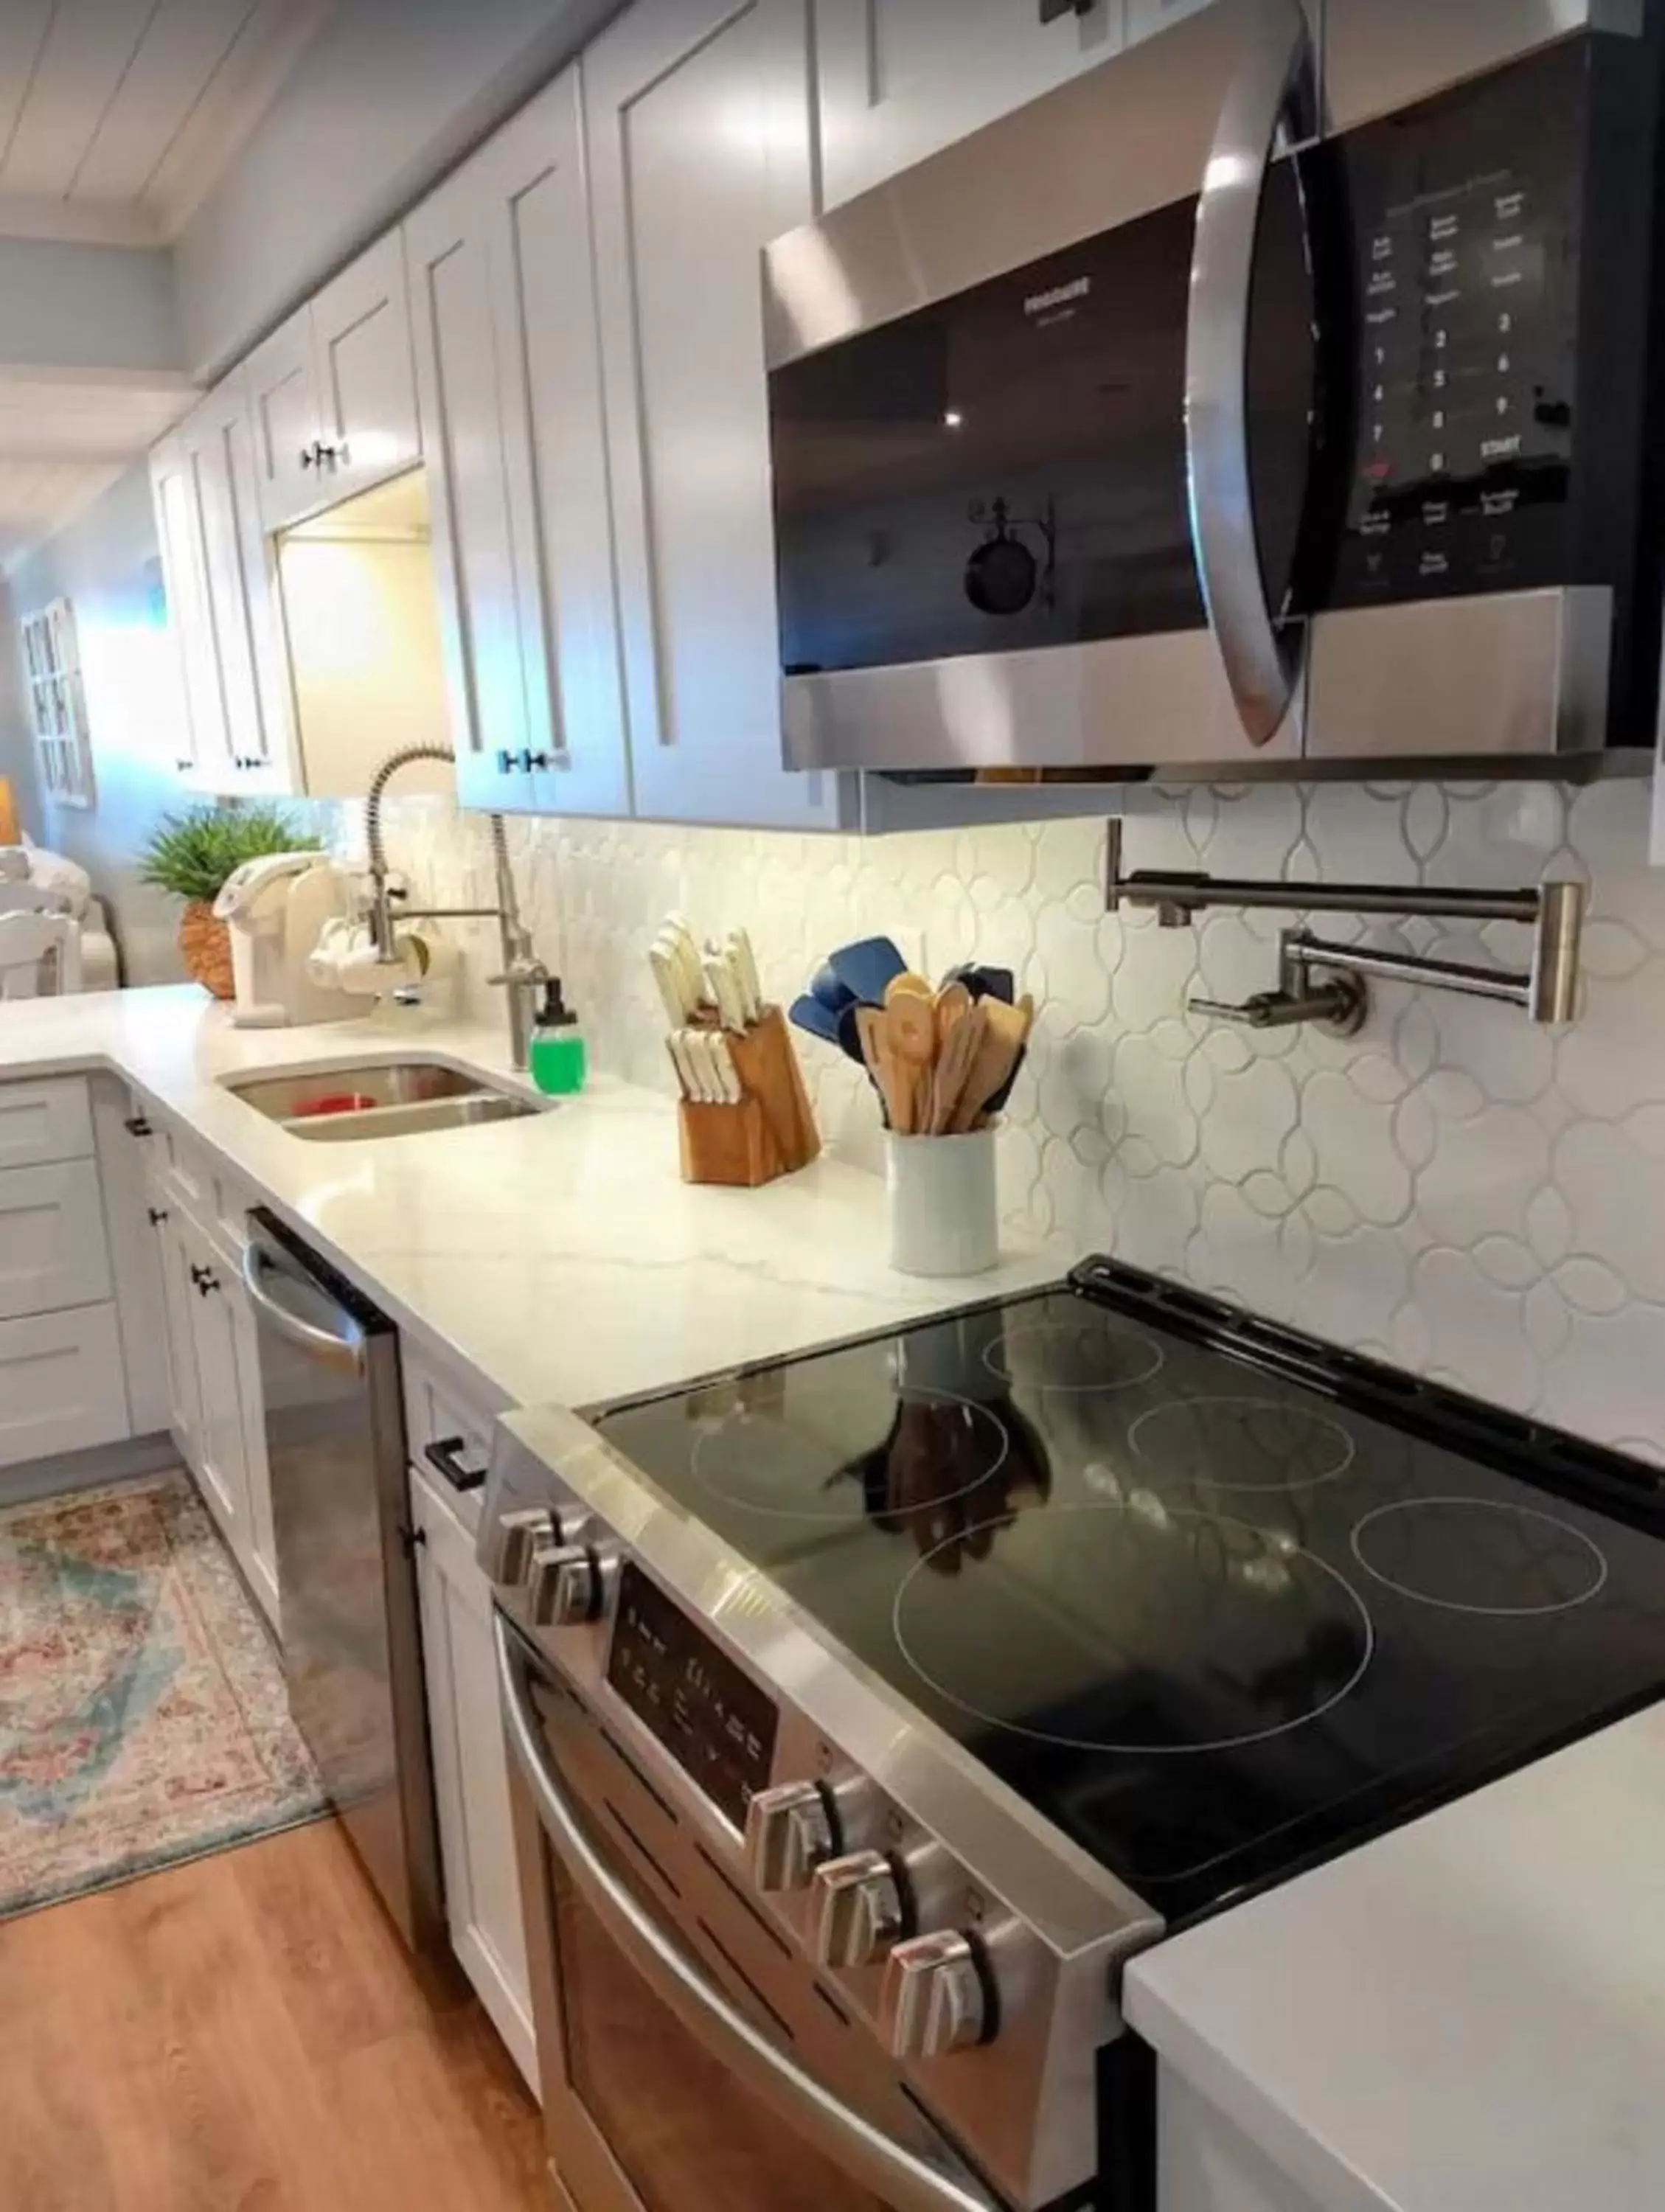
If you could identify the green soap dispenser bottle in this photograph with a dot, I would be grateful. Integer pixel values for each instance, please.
(557, 1056)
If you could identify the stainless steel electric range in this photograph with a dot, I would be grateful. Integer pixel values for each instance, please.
(869, 1709)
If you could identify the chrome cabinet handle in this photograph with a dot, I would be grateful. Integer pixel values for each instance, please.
(896, 2176)
(345, 1351)
(1278, 80)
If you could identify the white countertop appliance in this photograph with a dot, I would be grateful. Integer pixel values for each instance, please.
(868, 1710)
(276, 906)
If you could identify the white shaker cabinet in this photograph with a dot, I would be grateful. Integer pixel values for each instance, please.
(900, 79)
(53, 1251)
(238, 603)
(367, 389)
(503, 311)
(332, 392)
(471, 1772)
(201, 741)
(699, 138)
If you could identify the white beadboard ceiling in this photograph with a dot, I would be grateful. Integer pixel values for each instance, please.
(118, 116)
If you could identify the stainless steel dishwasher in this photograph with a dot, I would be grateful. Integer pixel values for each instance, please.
(351, 1627)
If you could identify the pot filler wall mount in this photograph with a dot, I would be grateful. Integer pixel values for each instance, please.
(1547, 991)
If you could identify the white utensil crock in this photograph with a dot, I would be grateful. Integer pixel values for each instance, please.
(944, 1219)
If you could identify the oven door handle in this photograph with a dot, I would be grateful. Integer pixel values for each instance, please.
(896, 2176)
(1277, 82)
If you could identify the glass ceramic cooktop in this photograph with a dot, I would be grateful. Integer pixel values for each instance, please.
(1210, 1621)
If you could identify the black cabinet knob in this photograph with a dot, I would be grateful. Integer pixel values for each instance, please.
(1052, 9)
(309, 457)
(530, 761)
(204, 1279)
(505, 761)
(157, 1214)
(410, 1539)
(136, 1125)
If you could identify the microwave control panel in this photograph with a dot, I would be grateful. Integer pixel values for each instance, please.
(711, 1718)
(1465, 220)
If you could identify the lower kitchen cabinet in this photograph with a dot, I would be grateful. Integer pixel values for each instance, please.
(62, 1387)
(216, 1413)
(471, 1772)
(53, 1252)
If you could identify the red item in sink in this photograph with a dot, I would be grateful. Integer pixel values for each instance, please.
(335, 1101)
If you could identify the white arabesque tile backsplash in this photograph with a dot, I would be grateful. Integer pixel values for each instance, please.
(1453, 1189)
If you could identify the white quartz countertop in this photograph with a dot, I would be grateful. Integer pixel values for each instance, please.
(1468, 2015)
(561, 1257)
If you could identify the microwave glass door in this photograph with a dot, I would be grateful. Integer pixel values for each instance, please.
(1006, 467)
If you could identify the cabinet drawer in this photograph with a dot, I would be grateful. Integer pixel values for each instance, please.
(44, 1121)
(61, 1387)
(53, 1251)
(453, 1422)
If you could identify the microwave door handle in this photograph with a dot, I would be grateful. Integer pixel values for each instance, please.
(1277, 80)
(345, 1351)
(896, 2176)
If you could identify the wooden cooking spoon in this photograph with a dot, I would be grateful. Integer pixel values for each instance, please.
(1006, 1031)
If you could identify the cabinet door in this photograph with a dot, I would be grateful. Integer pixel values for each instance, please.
(367, 386)
(537, 209)
(471, 1773)
(222, 1462)
(44, 1121)
(202, 741)
(61, 1387)
(281, 378)
(52, 1248)
(448, 249)
(1146, 17)
(900, 78)
(179, 1302)
(241, 603)
(698, 130)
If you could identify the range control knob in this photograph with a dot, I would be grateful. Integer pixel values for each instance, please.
(513, 1540)
(569, 1584)
(862, 1908)
(790, 1830)
(938, 1997)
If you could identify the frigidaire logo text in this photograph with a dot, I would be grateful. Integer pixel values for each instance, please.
(1038, 303)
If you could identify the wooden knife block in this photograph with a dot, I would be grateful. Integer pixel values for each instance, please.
(771, 1131)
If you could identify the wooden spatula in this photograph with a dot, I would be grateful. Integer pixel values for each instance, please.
(910, 1035)
(876, 1051)
(1006, 1030)
(957, 1056)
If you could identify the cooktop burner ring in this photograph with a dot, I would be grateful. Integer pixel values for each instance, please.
(998, 1440)
(1256, 1537)
(1315, 1424)
(1592, 1553)
(1153, 1356)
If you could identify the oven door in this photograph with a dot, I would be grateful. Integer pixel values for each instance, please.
(691, 2061)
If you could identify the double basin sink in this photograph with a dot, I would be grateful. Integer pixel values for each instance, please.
(352, 1101)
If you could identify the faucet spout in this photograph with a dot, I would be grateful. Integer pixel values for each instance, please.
(523, 974)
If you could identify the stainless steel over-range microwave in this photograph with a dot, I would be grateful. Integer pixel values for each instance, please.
(1282, 395)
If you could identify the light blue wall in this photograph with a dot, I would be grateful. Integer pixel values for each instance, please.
(107, 564)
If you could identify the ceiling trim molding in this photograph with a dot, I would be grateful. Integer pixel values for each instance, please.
(78, 223)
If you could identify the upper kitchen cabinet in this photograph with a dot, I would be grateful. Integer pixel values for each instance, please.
(699, 136)
(202, 744)
(242, 642)
(332, 392)
(898, 79)
(503, 310)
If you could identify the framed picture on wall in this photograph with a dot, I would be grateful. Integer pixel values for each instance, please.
(52, 661)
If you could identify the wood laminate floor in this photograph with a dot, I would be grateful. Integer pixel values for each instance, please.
(246, 2034)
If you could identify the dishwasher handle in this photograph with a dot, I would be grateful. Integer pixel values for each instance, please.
(897, 2176)
(344, 1351)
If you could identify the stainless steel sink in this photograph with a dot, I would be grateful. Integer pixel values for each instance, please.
(354, 1100)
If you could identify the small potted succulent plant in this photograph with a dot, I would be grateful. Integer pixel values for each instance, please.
(191, 855)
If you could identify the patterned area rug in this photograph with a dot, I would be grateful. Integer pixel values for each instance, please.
(142, 1717)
